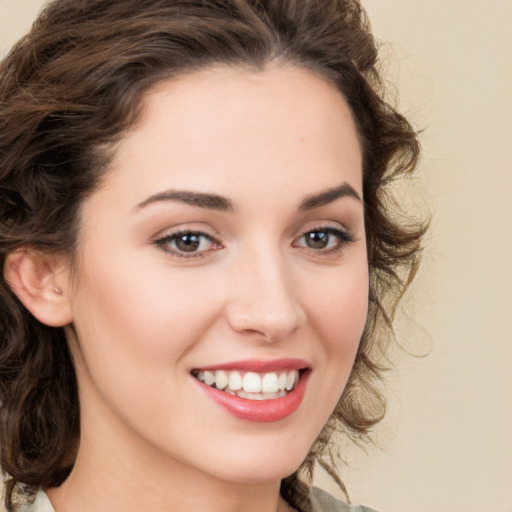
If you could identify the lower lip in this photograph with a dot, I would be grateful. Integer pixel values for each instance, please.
(262, 411)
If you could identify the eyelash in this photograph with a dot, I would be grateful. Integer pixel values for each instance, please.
(344, 238)
(165, 241)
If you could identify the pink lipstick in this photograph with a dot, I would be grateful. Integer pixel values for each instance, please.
(255, 390)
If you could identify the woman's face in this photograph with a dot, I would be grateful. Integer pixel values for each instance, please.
(226, 248)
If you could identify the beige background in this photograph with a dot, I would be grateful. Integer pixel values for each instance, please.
(446, 444)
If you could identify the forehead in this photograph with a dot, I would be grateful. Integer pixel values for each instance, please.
(278, 128)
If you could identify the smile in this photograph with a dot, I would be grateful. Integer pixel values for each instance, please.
(256, 391)
(250, 385)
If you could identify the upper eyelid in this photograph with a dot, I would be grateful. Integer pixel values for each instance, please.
(330, 229)
(213, 235)
(177, 234)
(170, 232)
(327, 225)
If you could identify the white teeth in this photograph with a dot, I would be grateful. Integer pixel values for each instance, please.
(252, 383)
(235, 381)
(291, 379)
(221, 379)
(269, 384)
(281, 381)
(209, 378)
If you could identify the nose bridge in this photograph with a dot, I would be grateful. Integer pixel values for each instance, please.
(265, 301)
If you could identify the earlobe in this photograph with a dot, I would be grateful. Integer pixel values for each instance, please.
(40, 282)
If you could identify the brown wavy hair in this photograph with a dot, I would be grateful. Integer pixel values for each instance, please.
(70, 89)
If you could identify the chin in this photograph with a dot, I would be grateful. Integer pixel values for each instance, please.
(262, 466)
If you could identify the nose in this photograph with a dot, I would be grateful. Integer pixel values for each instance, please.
(265, 301)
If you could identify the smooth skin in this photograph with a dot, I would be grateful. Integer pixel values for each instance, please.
(163, 287)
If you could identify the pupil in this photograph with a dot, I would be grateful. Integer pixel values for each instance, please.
(317, 239)
(188, 243)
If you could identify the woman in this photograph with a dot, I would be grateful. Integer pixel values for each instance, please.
(198, 252)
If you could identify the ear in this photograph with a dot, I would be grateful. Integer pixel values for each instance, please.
(41, 282)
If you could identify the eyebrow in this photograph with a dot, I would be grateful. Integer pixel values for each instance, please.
(220, 203)
(199, 199)
(328, 196)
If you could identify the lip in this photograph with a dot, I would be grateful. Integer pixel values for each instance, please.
(260, 411)
(260, 366)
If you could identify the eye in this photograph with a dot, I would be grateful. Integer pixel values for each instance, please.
(188, 243)
(324, 240)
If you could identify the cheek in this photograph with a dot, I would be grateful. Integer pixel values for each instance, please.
(337, 316)
(339, 309)
(126, 318)
(135, 332)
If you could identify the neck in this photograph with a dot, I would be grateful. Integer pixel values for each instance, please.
(140, 494)
(121, 473)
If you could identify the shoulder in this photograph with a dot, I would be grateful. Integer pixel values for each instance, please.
(322, 501)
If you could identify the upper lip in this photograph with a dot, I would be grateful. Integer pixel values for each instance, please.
(260, 366)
